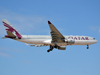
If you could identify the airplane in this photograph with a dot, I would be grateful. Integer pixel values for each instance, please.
(56, 40)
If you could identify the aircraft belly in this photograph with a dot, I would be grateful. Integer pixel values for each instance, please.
(92, 41)
(84, 42)
(48, 42)
(32, 41)
(81, 42)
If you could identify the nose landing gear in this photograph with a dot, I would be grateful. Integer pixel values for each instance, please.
(87, 46)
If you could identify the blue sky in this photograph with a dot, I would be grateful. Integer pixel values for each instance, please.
(29, 17)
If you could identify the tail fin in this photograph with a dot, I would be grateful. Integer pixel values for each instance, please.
(11, 31)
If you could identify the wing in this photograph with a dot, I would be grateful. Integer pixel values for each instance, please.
(57, 37)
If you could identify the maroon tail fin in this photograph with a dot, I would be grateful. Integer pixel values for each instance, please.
(11, 31)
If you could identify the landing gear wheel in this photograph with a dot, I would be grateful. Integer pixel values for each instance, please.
(87, 46)
(51, 48)
(48, 50)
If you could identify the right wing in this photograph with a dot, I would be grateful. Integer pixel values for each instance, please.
(57, 37)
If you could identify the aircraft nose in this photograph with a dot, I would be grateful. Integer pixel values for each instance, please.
(96, 41)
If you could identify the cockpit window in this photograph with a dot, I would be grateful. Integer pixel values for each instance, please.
(94, 38)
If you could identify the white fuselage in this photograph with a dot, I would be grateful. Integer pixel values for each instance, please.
(56, 40)
(45, 40)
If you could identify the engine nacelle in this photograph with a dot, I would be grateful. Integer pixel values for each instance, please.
(61, 47)
(70, 41)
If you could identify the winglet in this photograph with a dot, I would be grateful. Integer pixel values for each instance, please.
(49, 22)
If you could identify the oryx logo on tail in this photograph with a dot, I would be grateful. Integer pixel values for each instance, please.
(11, 30)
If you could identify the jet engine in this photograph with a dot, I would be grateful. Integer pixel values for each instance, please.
(70, 41)
(61, 47)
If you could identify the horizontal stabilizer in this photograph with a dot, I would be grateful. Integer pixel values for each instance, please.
(10, 34)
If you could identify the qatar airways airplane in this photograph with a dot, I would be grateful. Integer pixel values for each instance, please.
(56, 40)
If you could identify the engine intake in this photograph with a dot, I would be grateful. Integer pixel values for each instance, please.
(61, 47)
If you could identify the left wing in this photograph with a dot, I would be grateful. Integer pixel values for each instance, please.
(57, 37)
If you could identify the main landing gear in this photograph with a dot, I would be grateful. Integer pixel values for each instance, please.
(87, 46)
(52, 47)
